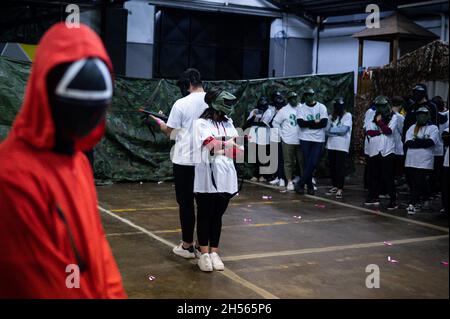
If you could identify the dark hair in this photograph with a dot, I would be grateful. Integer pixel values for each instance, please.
(398, 101)
(209, 113)
(212, 94)
(192, 76)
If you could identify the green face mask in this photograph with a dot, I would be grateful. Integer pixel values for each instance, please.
(224, 103)
(293, 101)
(384, 110)
(309, 99)
(423, 119)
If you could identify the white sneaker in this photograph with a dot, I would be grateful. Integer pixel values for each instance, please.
(217, 263)
(290, 186)
(314, 183)
(185, 253)
(262, 179)
(411, 210)
(205, 263)
(296, 179)
(282, 183)
(275, 181)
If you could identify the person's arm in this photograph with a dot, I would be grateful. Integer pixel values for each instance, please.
(445, 138)
(420, 143)
(339, 130)
(318, 125)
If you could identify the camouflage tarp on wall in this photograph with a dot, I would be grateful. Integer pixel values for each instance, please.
(428, 63)
(129, 152)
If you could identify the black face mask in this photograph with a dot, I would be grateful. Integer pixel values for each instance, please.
(79, 94)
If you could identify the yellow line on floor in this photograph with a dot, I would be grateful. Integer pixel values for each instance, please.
(227, 272)
(146, 209)
(408, 220)
(277, 223)
(331, 248)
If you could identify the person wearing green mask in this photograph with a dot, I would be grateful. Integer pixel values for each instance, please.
(381, 147)
(215, 180)
(286, 122)
(312, 118)
(420, 141)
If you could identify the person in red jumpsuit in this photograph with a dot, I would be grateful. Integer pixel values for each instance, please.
(52, 243)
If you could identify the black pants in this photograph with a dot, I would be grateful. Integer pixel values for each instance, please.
(280, 168)
(381, 172)
(436, 175)
(445, 188)
(184, 190)
(420, 186)
(210, 209)
(337, 167)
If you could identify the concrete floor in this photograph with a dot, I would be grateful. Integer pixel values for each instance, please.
(275, 255)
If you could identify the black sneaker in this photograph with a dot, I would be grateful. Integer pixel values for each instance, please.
(311, 191)
(372, 202)
(392, 206)
(300, 190)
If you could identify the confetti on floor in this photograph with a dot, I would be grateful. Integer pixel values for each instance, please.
(151, 278)
(298, 217)
(320, 205)
(445, 263)
(387, 243)
(267, 197)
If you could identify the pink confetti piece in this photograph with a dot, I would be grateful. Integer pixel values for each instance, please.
(320, 205)
(247, 220)
(392, 260)
(151, 278)
(387, 243)
(298, 217)
(445, 263)
(267, 197)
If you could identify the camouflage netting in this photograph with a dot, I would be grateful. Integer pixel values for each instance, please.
(129, 152)
(428, 63)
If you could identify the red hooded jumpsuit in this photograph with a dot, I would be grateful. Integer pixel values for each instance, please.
(35, 245)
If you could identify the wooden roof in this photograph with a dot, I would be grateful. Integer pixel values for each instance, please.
(394, 26)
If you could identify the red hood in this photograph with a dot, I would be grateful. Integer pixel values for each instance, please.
(34, 123)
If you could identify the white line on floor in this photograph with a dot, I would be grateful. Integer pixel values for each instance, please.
(332, 248)
(411, 221)
(227, 272)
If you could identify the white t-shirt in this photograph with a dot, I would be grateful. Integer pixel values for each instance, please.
(384, 144)
(446, 152)
(308, 113)
(222, 167)
(398, 134)
(421, 157)
(261, 135)
(181, 117)
(368, 118)
(439, 148)
(286, 122)
(340, 143)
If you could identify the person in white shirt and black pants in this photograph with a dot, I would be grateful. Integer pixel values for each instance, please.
(182, 115)
(445, 177)
(381, 147)
(312, 118)
(420, 141)
(286, 122)
(339, 132)
(215, 175)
